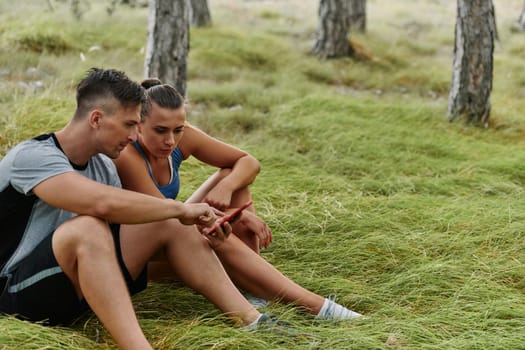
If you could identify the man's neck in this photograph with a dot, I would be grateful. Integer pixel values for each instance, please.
(75, 144)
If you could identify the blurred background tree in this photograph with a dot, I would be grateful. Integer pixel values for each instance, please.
(333, 29)
(472, 69)
(200, 13)
(168, 42)
(520, 24)
(357, 10)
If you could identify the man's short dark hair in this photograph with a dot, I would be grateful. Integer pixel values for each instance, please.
(105, 84)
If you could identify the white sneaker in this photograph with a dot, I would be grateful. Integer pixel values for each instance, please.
(334, 311)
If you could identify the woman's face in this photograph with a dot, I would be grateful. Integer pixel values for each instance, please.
(161, 132)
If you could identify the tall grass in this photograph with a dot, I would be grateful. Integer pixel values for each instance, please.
(370, 192)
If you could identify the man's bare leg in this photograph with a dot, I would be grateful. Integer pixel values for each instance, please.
(191, 259)
(84, 249)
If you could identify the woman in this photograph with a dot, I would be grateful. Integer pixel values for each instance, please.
(151, 167)
(225, 190)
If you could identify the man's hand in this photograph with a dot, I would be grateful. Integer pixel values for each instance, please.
(198, 214)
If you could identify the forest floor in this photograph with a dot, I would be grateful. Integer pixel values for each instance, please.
(371, 193)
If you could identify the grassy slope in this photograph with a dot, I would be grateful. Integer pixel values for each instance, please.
(371, 194)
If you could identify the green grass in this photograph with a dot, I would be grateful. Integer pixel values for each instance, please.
(370, 192)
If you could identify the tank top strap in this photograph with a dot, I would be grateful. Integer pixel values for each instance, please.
(139, 149)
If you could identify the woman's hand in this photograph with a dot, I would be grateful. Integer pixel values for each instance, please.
(217, 233)
(256, 225)
(219, 198)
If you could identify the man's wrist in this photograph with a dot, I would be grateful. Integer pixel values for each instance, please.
(179, 209)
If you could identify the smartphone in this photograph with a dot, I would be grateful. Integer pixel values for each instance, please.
(232, 217)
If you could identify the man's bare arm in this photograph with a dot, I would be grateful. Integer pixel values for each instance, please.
(78, 194)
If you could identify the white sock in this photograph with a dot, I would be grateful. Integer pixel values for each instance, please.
(334, 311)
(254, 322)
(325, 307)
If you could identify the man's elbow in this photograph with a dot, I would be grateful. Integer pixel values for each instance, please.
(103, 209)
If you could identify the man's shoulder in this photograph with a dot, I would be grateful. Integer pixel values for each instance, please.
(32, 148)
(42, 143)
(31, 162)
(37, 149)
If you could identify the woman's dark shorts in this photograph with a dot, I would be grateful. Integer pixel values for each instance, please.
(38, 290)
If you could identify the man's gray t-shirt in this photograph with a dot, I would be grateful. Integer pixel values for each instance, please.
(25, 220)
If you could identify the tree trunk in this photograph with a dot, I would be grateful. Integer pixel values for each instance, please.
(520, 25)
(333, 30)
(200, 13)
(358, 15)
(472, 69)
(168, 42)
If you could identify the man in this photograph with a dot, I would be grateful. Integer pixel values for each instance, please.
(60, 210)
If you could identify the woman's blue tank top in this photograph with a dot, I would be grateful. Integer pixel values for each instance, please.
(171, 190)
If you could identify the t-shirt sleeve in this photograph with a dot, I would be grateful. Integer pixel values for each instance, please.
(107, 171)
(33, 165)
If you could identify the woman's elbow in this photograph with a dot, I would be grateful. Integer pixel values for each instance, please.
(255, 164)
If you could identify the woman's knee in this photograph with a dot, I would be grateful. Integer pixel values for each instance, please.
(223, 172)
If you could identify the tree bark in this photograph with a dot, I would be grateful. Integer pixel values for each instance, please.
(520, 24)
(357, 10)
(472, 70)
(200, 13)
(333, 29)
(168, 42)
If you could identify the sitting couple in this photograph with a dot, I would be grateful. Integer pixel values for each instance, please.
(72, 239)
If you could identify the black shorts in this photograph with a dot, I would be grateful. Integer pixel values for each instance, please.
(38, 290)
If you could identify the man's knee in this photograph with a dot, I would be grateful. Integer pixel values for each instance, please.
(186, 236)
(167, 231)
(81, 233)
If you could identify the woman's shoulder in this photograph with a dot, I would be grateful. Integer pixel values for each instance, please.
(127, 157)
(192, 140)
(192, 130)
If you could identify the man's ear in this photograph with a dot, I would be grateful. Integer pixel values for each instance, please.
(95, 118)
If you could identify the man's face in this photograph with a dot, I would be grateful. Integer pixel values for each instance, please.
(117, 129)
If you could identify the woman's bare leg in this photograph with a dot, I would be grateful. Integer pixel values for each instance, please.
(252, 273)
(211, 182)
